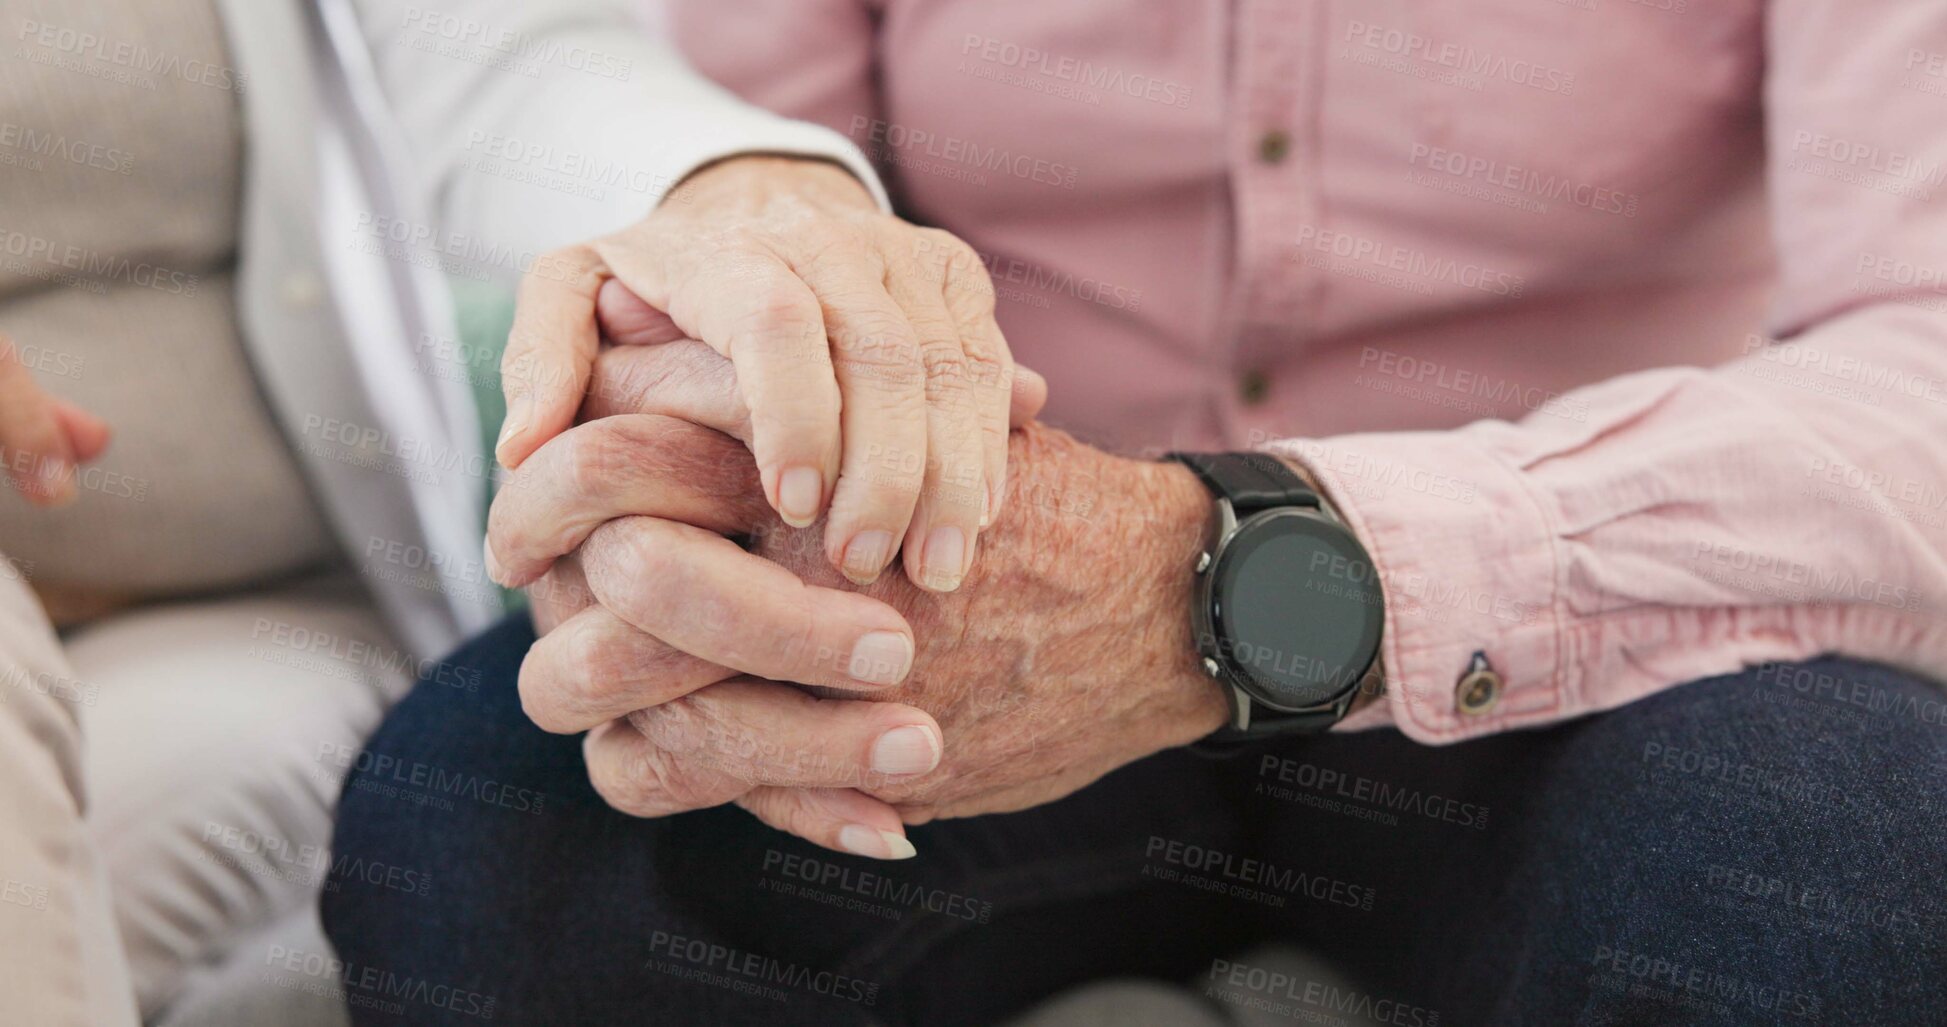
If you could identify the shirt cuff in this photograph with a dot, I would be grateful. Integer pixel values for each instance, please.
(1467, 560)
(776, 137)
(657, 149)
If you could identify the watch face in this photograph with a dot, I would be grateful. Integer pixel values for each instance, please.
(1298, 608)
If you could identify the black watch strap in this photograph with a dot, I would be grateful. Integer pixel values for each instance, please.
(1227, 741)
(1251, 481)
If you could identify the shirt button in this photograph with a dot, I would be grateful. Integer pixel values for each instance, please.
(1254, 387)
(1479, 689)
(1273, 146)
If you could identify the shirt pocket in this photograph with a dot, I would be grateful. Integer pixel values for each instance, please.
(1590, 103)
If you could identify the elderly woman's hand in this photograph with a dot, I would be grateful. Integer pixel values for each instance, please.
(866, 353)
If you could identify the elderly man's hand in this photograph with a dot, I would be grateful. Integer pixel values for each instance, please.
(1067, 653)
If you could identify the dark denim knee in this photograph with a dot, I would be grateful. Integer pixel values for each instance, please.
(1757, 847)
(1829, 749)
(454, 778)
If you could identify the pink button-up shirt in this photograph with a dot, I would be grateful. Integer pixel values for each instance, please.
(1617, 329)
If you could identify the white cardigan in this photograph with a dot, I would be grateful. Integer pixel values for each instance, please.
(366, 125)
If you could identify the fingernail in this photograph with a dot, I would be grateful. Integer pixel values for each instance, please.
(798, 492)
(860, 840)
(881, 658)
(519, 412)
(495, 572)
(906, 750)
(866, 556)
(943, 562)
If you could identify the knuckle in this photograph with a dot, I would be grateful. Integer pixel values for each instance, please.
(626, 376)
(537, 700)
(645, 576)
(682, 786)
(592, 452)
(839, 243)
(916, 793)
(942, 253)
(959, 253)
(971, 296)
(779, 305)
(560, 591)
(968, 286)
(505, 532)
(874, 333)
(628, 780)
(645, 783)
(915, 814)
(604, 559)
(895, 791)
(682, 726)
(694, 748)
(888, 360)
(797, 646)
(590, 667)
(735, 251)
(660, 777)
(988, 366)
(947, 373)
(742, 238)
(646, 554)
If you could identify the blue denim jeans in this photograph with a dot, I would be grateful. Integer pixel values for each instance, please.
(1765, 847)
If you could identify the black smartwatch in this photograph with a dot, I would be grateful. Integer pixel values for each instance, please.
(1288, 603)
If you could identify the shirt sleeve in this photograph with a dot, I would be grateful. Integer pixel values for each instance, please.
(1790, 503)
(539, 123)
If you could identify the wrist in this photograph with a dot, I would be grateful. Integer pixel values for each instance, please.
(761, 175)
(1180, 526)
(1288, 610)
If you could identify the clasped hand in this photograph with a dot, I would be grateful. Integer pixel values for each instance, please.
(713, 656)
(714, 653)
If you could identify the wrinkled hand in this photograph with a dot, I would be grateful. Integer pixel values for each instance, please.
(1070, 657)
(865, 350)
(661, 610)
(1068, 651)
(644, 605)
